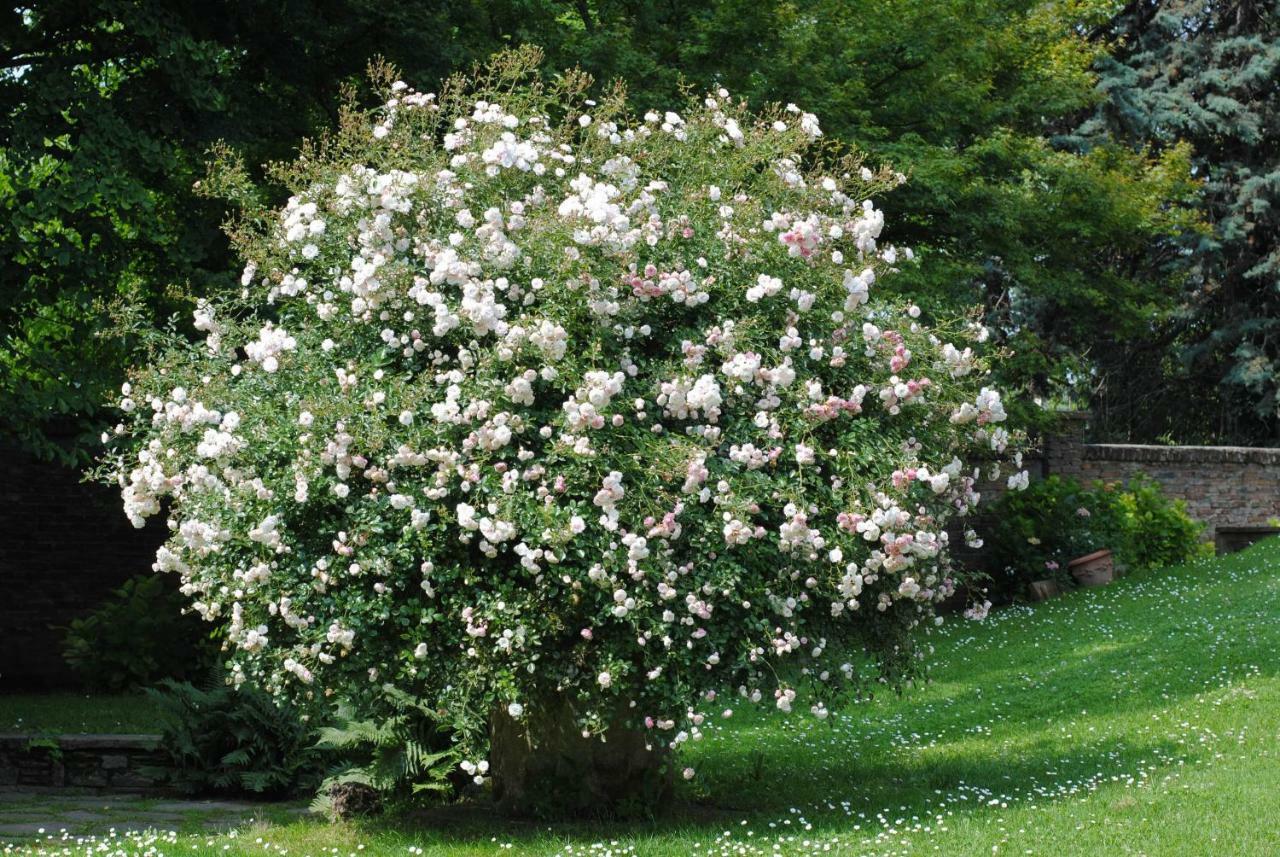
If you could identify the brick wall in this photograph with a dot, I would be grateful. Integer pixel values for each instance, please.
(1231, 489)
(64, 545)
(1223, 486)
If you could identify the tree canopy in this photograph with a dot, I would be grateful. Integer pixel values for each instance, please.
(1203, 76)
(1098, 176)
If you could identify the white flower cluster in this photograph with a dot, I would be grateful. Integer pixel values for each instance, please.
(602, 410)
(271, 343)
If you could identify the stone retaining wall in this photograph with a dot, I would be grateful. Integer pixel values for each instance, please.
(105, 763)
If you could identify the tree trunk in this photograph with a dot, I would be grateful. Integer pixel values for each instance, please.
(543, 765)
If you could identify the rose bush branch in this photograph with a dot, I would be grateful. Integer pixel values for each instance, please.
(528, 398)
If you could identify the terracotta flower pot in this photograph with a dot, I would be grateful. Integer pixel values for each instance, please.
(1093, 569)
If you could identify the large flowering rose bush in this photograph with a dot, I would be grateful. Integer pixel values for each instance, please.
(527, 400)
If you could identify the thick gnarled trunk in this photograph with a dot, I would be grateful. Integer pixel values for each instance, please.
(544, 766)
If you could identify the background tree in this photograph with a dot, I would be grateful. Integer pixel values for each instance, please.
(969, 100)
(1204, 74)
(106, 112)
(1072, 238)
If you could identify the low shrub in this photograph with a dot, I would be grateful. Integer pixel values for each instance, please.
(1036, 532)
(225, 740)
(138, 636)
(1159, 531)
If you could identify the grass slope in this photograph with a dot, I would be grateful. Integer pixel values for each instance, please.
(1140, 719)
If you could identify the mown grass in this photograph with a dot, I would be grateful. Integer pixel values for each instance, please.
(1139, 719)
(71, 713)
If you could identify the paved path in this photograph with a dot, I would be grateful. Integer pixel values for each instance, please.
(27, 815)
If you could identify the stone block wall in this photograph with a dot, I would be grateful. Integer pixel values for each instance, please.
(80, 762)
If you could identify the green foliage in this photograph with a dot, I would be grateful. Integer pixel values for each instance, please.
(1033, 534)
(406, 755)
(136, 637)
(106, 112)
(969, 100)
(1070, 248)
(96, 196)
(225, 740)
(51, 747)
(1202, 75)
(1158, 532)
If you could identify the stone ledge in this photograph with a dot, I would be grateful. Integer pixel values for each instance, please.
(99, 764)
(1262, 456)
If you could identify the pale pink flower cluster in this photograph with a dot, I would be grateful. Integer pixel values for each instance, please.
(539, 408)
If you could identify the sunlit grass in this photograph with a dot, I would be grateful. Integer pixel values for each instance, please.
(1143, 718)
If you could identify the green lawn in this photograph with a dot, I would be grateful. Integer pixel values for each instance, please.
(58, 713)
(1140, 719)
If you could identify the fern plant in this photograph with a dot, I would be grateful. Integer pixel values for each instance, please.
(220, 739)
(404, 756)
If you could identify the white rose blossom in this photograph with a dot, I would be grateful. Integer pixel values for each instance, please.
(514, 408)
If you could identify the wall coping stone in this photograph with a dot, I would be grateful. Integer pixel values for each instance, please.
(1156, 454)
